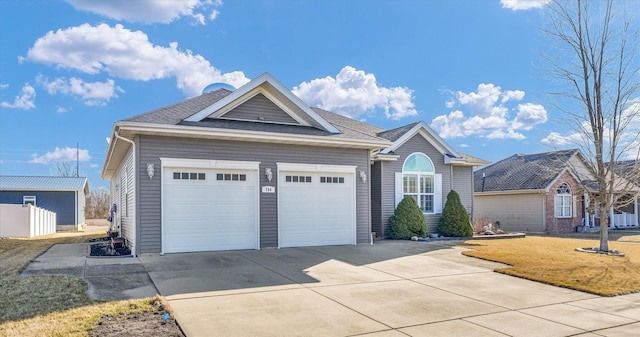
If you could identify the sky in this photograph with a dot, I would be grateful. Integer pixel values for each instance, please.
(472, 70)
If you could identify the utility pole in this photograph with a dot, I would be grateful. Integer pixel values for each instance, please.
(77, 159)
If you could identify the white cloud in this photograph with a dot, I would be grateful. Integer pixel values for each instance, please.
(515, 95)
(65, 154)
(126, 54)
(4, 86)
(488, 115)
(214, 14)
(148, 11)
(523, 4)
(24, 101)
(61, 109)
(353, 93)
(92, 93)
(529, 115)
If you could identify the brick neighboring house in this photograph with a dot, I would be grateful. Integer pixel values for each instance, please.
(534, 193)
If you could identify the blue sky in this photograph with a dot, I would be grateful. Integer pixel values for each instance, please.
(470, 69)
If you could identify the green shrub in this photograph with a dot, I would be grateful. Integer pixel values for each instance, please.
(407, 220)
(454, 220)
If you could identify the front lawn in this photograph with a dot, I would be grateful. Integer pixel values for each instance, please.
(51, 305)
(555, 261)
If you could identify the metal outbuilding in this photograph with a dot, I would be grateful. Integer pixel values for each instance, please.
(63, 195)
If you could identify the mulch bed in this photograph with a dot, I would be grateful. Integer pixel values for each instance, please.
(156, 323)
(104, 249)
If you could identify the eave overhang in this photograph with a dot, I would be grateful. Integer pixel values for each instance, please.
(118, 148)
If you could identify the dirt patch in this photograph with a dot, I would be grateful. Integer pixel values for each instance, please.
(158, 322)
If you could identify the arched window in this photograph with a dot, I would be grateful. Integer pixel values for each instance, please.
(563, 201)
(418, 181)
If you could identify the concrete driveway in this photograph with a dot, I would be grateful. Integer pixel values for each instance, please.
(388, 289)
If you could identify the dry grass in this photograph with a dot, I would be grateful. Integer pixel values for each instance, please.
(555, 261)
(73, 322)
(49, 305)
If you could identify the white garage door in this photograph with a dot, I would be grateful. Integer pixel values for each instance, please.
(316, 208)
(205, 209)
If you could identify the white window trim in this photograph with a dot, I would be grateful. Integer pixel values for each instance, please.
(420, 174)
(563, 201)
(419, 193)
(27, 198)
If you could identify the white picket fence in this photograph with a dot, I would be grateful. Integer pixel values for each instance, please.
(26, 221)
(625, 220)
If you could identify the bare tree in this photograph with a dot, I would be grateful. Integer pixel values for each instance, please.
(65, 169)
(97, 204)
(596, 64)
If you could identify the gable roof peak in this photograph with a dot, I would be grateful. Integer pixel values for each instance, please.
(266, 83)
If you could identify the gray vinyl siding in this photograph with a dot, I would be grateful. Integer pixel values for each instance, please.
(376, 195)
(260, 108)
(151, 148)
(416, 144)
(61, 202)
(463, 184)
(515, 212)
(124, 196)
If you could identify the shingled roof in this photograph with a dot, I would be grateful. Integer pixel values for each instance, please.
(629, 169)
(174, 114)
(523, 172)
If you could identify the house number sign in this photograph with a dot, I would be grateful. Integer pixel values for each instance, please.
(268, 189)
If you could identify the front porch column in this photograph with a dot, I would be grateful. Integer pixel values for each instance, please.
(611, 220)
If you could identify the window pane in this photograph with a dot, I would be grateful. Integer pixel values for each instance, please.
(176, 175)
(426, 203)
(418, 162)
(219, 177)
(234, 177)
(201, 176)
(243, 177)
(227, 176)
(193, 176)
(410, 183)
(308, 179)
(426, 184)
(185, 175)
(341, 180)
(287, 179)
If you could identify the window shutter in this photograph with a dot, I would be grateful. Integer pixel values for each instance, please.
(437, 191)
(556, 206)
(398, 188)
(573, 209)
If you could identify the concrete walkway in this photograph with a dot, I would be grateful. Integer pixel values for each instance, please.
(108, 279)
(388, 289)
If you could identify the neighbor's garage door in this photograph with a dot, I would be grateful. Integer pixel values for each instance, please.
(206, 210)
(316, 208)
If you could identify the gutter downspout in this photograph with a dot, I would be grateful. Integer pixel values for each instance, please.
(135, 170)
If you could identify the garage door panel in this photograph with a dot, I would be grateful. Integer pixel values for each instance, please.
(316, 213)
(209, 214)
